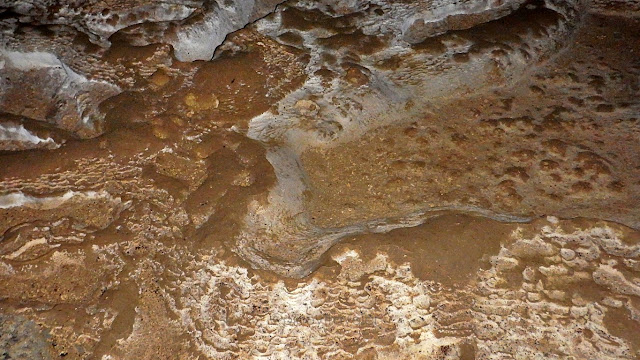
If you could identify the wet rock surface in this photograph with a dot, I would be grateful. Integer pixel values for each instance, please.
(319, 180)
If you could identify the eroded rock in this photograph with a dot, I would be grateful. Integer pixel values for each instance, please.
(336, 180)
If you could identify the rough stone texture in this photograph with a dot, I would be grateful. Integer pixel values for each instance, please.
(530, 302)
(21, 339)
(55, 54)
(319, 179)
(194, 28)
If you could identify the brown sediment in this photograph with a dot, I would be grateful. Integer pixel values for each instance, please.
(449, 249)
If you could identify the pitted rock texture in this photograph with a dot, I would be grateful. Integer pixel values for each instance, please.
(319, 179)
(447, 125)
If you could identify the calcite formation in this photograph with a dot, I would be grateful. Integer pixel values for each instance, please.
(351, 179)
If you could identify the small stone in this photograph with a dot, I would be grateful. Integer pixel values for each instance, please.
(422, 301)
(529, 274)
(201, 102)
(307, 107)
(567, 254)
(503, 263)
(159, 78)
(534, 297)
(579, 311)
(558, 295)
(611, 302)
(417, 322)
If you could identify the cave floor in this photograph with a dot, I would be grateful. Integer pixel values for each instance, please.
(491, 222)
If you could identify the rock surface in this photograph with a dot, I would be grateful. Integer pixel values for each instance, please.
(319, 179)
